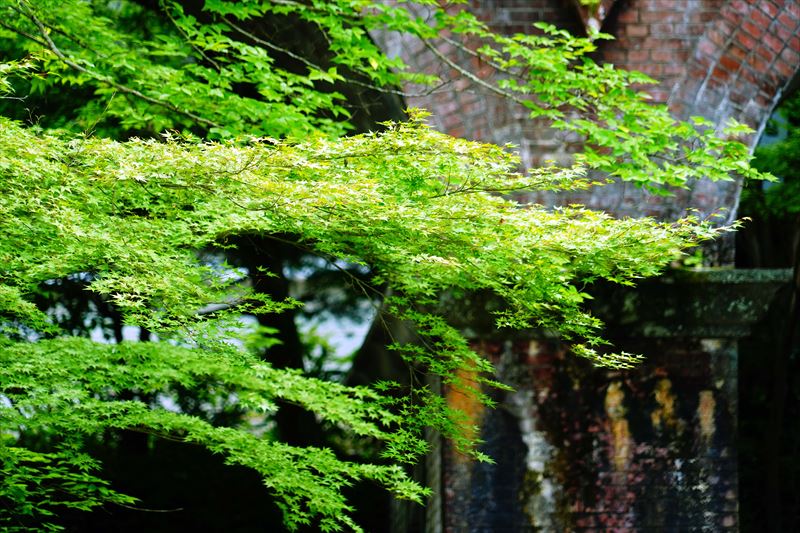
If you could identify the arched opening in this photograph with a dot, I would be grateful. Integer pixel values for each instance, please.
(769, 400)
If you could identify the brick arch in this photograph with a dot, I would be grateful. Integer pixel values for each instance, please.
(720, 59)
(742, 64)
(740, 68)
(716, 58)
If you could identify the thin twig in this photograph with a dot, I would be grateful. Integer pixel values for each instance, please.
(188, 39)
(24, 34)
(477, 55)
(314, 66)
(143, 509)
(469, 75)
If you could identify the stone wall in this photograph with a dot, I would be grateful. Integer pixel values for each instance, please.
(653, 448)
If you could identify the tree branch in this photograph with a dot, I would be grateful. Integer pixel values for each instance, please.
(197, 49)
(309, 64)
(23, 33)
(469, 75)
(108, 81)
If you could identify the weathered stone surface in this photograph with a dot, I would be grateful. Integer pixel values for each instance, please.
(711, 303)
(586, 449)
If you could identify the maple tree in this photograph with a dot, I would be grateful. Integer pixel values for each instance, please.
(199, 123)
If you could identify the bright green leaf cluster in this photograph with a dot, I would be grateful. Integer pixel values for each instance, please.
(417, 206)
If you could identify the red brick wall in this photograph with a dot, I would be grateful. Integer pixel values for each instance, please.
(657, 38)
(717, 59)
(745, 58)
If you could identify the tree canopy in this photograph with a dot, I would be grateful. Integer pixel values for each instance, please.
(173, 130)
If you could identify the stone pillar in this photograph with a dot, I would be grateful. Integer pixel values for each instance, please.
(584, 449)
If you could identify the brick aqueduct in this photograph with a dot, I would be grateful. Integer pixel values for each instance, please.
(578, 449)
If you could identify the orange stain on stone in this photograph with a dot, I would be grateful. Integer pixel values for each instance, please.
(462, 396)
(663, 417)
(705, 414)
(621, 441)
